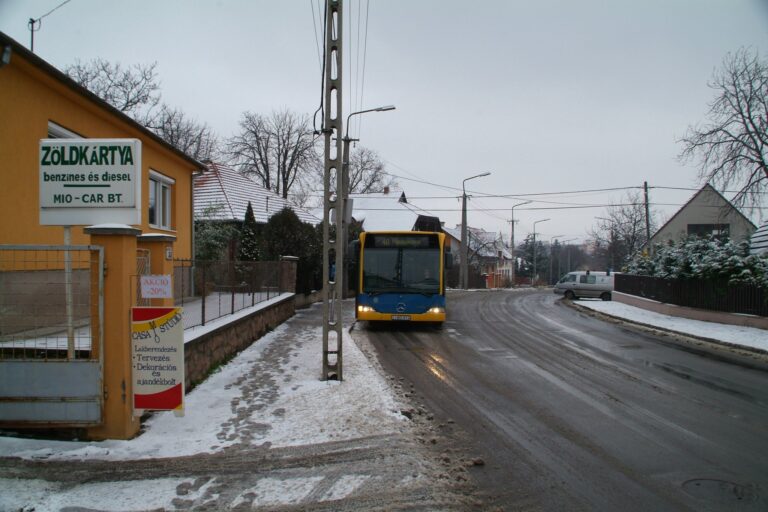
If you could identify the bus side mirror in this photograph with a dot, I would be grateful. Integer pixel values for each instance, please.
(448, 260)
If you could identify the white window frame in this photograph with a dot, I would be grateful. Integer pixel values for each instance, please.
(56, 131)
(161, 188)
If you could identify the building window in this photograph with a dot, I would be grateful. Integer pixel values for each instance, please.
(160, 202)
(717, 230)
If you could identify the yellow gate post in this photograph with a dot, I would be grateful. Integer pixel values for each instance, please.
(120, 245)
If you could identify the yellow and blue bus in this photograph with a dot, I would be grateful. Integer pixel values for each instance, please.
(401, 276)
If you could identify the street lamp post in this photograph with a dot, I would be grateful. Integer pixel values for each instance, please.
(512, 239)
(533, 279)
(345, 190)
(464, 269)
(568, 269)
(551, 239)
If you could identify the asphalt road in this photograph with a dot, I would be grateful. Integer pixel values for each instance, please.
(570, 412)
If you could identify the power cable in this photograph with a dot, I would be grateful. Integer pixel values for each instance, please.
(314, 25)
(322, 74)
(35, 24)
(365, 56)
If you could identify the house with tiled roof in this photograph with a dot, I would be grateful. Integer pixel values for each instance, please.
(222, 194)
(758, 243)
(390, 211)
(706, 213)
(487, 250)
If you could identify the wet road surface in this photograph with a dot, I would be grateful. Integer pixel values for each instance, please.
(570, 412)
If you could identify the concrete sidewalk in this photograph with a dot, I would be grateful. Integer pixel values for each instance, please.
(749, 339)
(261, 431)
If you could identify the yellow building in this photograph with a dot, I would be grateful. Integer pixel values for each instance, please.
(37, 101)
(65, 330)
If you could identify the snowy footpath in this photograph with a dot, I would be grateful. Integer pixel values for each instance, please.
(267, 408)
(748, 337)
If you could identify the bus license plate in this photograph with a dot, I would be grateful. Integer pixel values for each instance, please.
(401, 317)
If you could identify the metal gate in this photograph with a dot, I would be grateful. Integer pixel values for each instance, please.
(51, 335)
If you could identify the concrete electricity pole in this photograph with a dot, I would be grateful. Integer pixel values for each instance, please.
(533, 279)
(333, 195)
(512, 239)
(647, 220)
(464, 269)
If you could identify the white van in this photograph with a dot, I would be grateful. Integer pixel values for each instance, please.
(585, 283)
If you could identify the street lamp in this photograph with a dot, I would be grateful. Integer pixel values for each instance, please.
(568, 269)
(533, 279)
(344, 193)
(512, 239)
(463, 269)
(551, 239)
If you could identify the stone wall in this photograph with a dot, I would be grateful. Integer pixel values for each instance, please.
(210, 350)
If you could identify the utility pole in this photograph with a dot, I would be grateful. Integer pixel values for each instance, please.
(464, 269)
(512, 239)
(647, 219)
(333, 196)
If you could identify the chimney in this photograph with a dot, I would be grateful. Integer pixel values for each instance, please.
(386, 190)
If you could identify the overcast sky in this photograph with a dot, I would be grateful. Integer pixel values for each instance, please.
(548, 96)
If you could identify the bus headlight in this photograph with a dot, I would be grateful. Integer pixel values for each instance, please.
(437, 311)
(364, 309)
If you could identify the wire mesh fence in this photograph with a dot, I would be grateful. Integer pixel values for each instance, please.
(50, 301)
(208, 290)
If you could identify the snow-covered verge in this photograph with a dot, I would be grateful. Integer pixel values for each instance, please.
(270, 394)
(731, 334)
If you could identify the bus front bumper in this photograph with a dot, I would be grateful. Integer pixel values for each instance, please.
(432, 315)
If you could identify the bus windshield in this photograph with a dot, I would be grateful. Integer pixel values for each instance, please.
(401, 270)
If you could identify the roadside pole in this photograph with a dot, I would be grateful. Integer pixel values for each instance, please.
(333, 195)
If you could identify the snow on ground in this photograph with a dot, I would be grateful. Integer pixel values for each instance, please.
(270, 393)
(732, 334)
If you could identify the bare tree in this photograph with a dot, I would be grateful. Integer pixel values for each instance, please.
(366, 172)
(133, 90)
(620, 233)
(731, 145)
(279, 149)
(184, 133)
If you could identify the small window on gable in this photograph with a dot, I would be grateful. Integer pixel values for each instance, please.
(56, 131)
(160, 200)
(717, 230)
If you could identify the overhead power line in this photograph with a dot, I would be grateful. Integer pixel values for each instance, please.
(35, 24)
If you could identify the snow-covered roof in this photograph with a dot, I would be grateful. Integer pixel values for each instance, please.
(231, 191)
(486, 243)
(758, 243)
(385, 211)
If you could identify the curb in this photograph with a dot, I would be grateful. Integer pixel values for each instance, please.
(685, 337)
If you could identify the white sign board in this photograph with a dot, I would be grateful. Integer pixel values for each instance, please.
(156, 287)
(90, 181)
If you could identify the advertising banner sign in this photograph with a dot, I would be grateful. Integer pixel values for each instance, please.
(90, 181)
(156, 287)
(157, 350)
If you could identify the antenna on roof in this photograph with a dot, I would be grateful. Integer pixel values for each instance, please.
(35, 24)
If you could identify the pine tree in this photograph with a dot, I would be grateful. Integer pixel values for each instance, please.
(249, 242)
